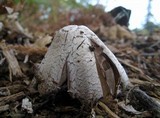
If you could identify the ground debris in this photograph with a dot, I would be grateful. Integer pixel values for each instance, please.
(22, 50)
(14, 67)
(27, 105)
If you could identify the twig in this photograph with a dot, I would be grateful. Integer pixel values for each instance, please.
(13, 88)
(107, 110)
(131, 66)
(146, 77)
(151, 54)
(4, 108)
(155, 44)
(146, 101)
(21, 29)
(139, 82)
(66, 109)
(14, 97)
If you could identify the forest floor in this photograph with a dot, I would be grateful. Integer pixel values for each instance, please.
(24, 44)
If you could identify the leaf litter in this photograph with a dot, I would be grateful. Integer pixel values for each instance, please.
(137, 53)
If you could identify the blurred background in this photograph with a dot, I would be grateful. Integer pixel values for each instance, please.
(142, 10)
(144, 13)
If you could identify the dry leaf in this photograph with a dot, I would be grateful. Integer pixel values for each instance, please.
(43, 41)
(28, 49)
(9, 10)
(116, 32)
(13, 16)
(129, 108)
(105, 72)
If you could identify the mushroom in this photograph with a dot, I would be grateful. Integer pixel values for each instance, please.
(80, 59)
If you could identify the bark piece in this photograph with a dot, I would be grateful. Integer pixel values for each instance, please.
(12, 89)
(14, 67)
(14, 97)
(146, 101)
(74, 57)
(4, 108)
(28, 49)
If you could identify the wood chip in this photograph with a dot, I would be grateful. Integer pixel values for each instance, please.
(14, 67)
(4, 108)
(14, 97)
